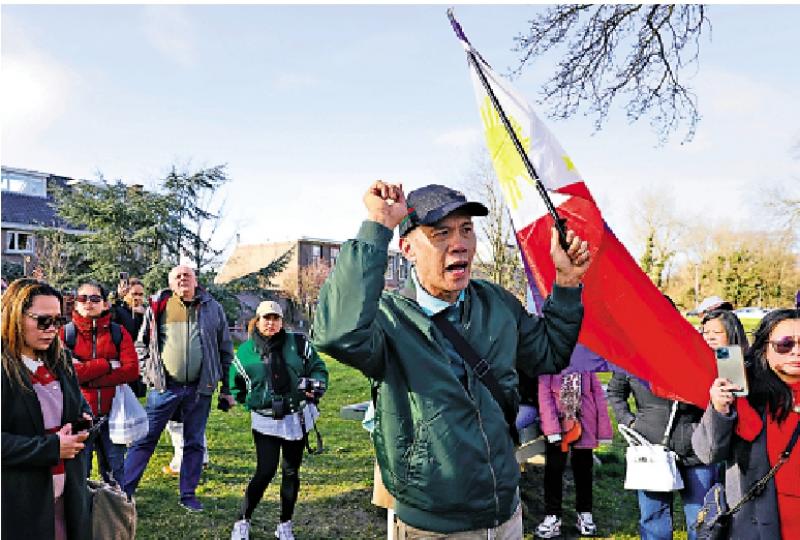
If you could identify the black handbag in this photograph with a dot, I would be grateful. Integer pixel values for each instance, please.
(714, 518)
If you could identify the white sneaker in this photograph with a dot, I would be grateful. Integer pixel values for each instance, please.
(241, 530)
(586, 524)
(549, 528)
(284, 531)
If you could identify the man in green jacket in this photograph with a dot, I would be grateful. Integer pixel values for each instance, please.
(441, 439)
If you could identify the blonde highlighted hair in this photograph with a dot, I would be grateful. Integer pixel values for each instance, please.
(16, 302)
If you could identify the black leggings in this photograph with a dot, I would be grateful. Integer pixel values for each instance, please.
(268, 449)
(555, 462)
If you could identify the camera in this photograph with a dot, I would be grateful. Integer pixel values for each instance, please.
(279, 408)
(722, 353)
(316, 387)
(223, 404)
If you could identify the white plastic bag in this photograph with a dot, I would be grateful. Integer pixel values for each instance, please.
(127, 421)
(649, 467)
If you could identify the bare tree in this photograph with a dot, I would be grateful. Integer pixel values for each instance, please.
(659, 229)
(498, 257)
(309, 282)
(633, 50)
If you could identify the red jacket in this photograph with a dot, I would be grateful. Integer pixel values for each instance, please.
(97, 378)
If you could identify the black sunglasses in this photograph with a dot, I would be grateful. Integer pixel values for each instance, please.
(94, 298)
(785, 344)
(43, 322)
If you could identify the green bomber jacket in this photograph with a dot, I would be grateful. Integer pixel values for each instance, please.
(444, 451)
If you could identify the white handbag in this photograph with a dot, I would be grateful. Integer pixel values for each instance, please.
(127, 421)
(651, 467)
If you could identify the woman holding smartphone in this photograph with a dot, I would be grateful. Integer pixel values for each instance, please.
(43, 470)
(751, 433)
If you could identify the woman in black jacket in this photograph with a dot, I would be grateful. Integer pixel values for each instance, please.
(720, 328)
(44, 493)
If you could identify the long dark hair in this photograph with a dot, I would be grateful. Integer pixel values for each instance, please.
(766, 388)
(732, 325)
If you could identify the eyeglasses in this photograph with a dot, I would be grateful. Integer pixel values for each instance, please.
(785, 345)
(44, 322)
(94, 298)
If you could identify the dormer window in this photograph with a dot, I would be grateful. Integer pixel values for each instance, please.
(24, 184)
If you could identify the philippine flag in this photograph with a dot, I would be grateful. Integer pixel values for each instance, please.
(626, 320)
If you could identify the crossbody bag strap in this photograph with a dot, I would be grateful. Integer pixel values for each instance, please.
(668, 431)
(481, 369)
(759, 486)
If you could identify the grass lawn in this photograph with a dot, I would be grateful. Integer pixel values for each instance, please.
(337, 485)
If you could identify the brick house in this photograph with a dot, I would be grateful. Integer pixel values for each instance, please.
(306, 252)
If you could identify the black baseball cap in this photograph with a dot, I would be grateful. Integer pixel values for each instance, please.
(432, 203)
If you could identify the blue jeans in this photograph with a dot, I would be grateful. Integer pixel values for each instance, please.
(114, 456)
(655, 507)
(161, 406)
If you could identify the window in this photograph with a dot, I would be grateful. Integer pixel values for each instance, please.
(334, 255)
(316, 253)
(19, 242)
(24, 184)
(402, 270)
(390, 268)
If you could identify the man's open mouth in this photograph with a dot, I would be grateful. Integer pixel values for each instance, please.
(457, 267)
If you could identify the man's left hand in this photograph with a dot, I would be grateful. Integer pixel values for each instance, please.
(571, 264)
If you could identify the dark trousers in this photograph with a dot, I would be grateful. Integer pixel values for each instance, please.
(110, 456)
(555, 462)
(161, 407)
(268, 451)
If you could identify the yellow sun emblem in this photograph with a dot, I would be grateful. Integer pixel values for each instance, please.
(507, 162)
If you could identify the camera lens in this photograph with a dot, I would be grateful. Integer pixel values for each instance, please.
(723, 353)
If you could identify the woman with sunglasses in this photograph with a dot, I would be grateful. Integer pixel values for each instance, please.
(101, 364)
(752, 432)
(43, 471)
(264, 377)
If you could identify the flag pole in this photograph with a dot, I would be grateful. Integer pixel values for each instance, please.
(560, 223)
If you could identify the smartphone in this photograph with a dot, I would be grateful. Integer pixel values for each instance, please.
(81, 424)
(123, 277)
(730, 365)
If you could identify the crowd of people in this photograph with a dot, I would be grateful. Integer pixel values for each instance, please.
(443, 357)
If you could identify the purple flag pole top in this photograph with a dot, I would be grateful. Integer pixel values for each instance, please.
(457, 26)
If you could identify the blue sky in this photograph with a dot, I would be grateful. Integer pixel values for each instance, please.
(309, 104)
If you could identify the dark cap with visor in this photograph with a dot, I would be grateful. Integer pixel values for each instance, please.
(431, 204)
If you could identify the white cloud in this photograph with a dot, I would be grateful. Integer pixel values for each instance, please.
(170, 30)
(459, 137)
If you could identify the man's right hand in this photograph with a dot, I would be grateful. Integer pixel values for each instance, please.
(386, 204)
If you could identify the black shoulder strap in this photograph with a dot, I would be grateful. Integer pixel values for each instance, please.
(116, 336)
(70, 335)
(481, 369)
(759, 487)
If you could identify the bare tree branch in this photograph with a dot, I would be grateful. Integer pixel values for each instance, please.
(632, 51)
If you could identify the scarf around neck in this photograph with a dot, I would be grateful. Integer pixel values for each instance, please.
(271, 351)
